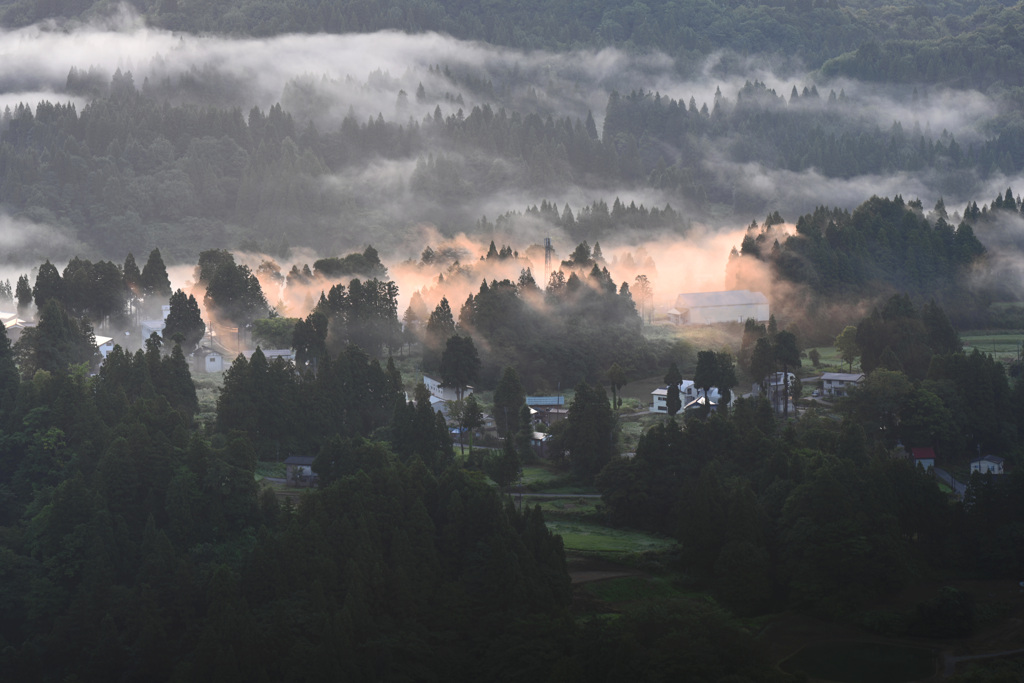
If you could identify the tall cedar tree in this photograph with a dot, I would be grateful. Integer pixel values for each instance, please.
(49, 285)
(56, 343)
(787, 355)
(590, 436)
(23, 293)
(460, 363)
(185, 321)
(155, 282)
(706, 375)
(8, 375)
(673, 378)
(509, 396)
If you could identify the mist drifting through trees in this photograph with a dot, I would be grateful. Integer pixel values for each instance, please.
(336, 200)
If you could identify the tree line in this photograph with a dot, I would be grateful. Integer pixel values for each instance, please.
(810, 30)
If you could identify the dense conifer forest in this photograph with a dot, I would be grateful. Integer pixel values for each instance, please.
(340, 199)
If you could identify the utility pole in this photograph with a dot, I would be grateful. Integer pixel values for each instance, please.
(548, 251)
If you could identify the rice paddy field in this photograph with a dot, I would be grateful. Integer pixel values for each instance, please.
(1005, 346)
(595, 538)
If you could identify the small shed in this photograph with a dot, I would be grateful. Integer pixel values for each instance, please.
(538, 440)
(990, 464)
(299, 471)
(924, 457)
(205, 359)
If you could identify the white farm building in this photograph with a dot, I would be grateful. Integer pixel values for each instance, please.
(705, 308)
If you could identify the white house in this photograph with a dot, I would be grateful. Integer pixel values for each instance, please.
(438, 404)
(924, 457)
(688, 394)
(775, 387)
(838, 384)
(105, 345)
(990, 464)
(14, 326)
(442, 392)
(705, 308)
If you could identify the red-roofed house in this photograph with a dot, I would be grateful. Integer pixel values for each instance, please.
(925, 457)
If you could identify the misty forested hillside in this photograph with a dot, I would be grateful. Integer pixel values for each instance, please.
(902, 40)
(132, 167)
(711, 113)
(340, 198)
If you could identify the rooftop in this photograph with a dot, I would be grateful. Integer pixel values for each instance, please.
(842, 376)
(735, 297)
(923, 453)
(545, 400)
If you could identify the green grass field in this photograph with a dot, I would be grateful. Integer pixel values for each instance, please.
(539, 475)
(269, 468)
(586, 537)
(829, 360)
(632, 589)
(1004, 346)
(568, 508)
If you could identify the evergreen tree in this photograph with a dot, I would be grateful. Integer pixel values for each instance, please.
(460, 363)
(589, 436)
(726, 378)
(235, 294)
(8, 375)
(56, 343)
(49, 285)
(132, 276)
(309, 339)
(673, 378)
(787, 354)
(706, 374)
(180, 390)
(509, 396)
(441, 324)
(23, 293)
(154, 280)
(617, 379)
(184, 322)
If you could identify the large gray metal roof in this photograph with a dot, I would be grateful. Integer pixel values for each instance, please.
(735, 297)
